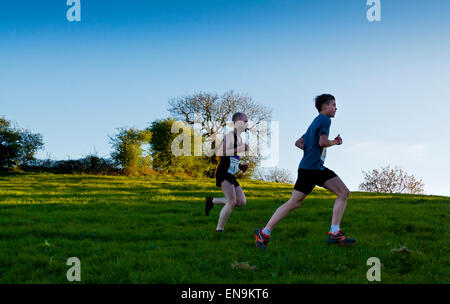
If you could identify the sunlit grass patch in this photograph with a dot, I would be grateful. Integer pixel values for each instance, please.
(153, 230)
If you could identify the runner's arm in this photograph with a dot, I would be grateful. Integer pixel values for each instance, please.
(325, 142)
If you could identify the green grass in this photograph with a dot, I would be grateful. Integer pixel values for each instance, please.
(153, 230)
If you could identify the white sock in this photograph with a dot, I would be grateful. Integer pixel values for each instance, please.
(266, 231)
(334, 229)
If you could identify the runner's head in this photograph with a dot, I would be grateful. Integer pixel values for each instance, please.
(326, 104)
(240, 121)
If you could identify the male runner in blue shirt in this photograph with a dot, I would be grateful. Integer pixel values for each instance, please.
(311, 172)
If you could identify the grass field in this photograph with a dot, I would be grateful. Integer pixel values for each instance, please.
(153, 230)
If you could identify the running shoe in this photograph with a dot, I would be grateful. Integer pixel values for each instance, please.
(208, 204)
(261, 239)
(339, 238)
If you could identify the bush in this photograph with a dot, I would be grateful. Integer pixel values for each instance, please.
(128, 152)
(164, 161)
(274, 174)
(387, 180)
(17, 146)
(91, 164)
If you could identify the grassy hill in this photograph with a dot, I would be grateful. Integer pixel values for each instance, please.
(153, 230)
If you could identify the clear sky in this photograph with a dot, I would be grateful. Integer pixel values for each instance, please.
(76, 82)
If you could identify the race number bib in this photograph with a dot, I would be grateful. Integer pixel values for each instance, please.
(234, 166)
(323, 155)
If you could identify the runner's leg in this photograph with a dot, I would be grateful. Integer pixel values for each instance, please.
(240, 197)
(219, 201)
(337, 186)
(294, 202)
(230, 195)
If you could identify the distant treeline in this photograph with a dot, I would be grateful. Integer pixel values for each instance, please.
(147, 151)
(91, 164)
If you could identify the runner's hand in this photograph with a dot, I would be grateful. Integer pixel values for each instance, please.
(338, 140)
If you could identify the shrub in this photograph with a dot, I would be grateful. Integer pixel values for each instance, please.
(388, 180)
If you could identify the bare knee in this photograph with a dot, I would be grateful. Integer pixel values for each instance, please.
(232, 203)
(344, 194)
(294, 204)
(241, 202)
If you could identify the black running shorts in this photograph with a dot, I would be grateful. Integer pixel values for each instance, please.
(307, 179)
(223, 175)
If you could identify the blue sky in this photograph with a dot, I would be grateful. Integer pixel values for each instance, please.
(76, 82)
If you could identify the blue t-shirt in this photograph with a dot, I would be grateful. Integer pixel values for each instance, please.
(313, 154)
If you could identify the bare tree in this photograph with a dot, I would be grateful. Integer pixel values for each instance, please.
(212, 112)
(388, 180)
(215, 110)
(274, 174)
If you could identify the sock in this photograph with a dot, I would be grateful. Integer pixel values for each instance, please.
(334, 229)
(266, 231)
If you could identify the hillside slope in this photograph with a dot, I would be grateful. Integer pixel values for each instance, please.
(153, 230)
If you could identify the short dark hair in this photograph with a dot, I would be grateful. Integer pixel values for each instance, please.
(238, 116)
(321, 99)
